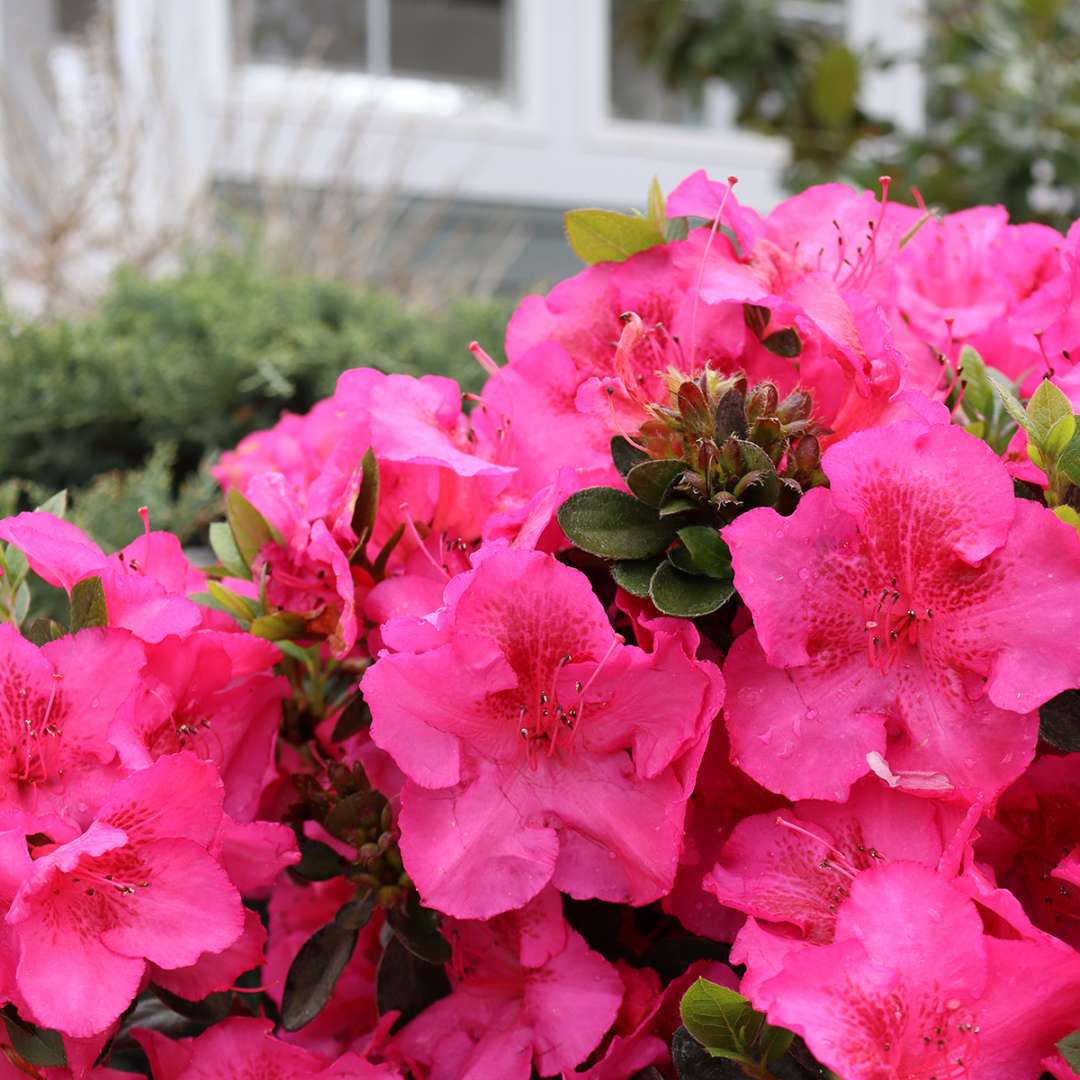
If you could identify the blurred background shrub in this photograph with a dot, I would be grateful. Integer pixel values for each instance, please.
(1001, 79)
(126, 405)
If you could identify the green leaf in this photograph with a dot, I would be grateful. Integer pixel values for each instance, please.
(1068, 460)
(16, 566)
(367, 499)
(833, 86)
(1069, 1049)
(650, 480)
(1008, 399)
(233, 603)
(417, 928)
(682, 560)
(784, 343)
(677, 228)
(56, 505)
(1050, 418)
(717, 1017)
(676, 593)
(634, 575)
(354, 717)
(979, 392)
(282, 624)
(378, 568)
(210, 1010)
(38, 1046)
(322, 958)
(774, 1042)
(249, 528)
(607, 236)
(406, 983)
(710, 554)
(654, 207)
(614, 525)
(226, 552)
(43, 630)
(88, 604)
(626, 455)
(1068, 515)
(1059, 721)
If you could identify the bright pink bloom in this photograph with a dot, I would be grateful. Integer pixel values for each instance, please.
(136, 599)
(526, 990)
(138, 886)
(245, 1047)
(57, 704)
(1035, 828)
(537, 746)
(913, 987)
(796, 866)
(215, 694)
(908, 620)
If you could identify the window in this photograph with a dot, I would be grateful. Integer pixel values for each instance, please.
(461, 41)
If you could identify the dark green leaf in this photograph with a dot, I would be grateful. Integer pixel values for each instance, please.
(210, 1010)
(367, 500)
(614, 525)
(379, 566)
(651, 479)
(634, 575)
(226, 552)
(318, 861)
(693, 1062)
(681, 559)
(1059, 721)
(773, 1042)
(43, 630)
(784, 343)
(677, 504)
(1069, 1049)
(282, 624)
(406, 983)
(322, 958)
(354, 717)
(709, 552)
(251, 531)
(607, 236)
(676, 593)
(347, 813)
(717, 1017)
(417, 927)
(626, 455)
(39, 1046)
(88, 604)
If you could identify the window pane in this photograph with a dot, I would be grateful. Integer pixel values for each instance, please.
(461, 40)
(328, 32)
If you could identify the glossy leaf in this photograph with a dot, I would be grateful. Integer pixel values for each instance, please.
(367, 499)
(626, 455)
(88, 606)
(718, 1018)
(709, 552)
(676, 593)
(417, 928)
(251, 531)
(406, 983)
(226, 552)
(38, 1046)
(281, 624)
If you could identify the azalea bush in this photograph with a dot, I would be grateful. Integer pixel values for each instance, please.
(703, 701)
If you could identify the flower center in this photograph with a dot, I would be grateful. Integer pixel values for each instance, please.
(891, 623)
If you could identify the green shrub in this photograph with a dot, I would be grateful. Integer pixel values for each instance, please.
(125, 407)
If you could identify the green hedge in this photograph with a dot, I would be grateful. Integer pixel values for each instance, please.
(126, 406)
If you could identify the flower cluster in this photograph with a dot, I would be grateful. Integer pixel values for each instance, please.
(706, 687)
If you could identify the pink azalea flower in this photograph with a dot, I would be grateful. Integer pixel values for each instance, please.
(214, 694)
(908, 620)
(796, 866)
(526, 990)
(1028, 844)
(245, 1046)
(137, 887)
(642, 1035)
(135, 598)
(57, 704)
(913, 987)
(536, 745)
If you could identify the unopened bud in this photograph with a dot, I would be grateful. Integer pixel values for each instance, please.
(807, 454)
(796, 406)
(761, 401)
(388, 895)
(368, 853)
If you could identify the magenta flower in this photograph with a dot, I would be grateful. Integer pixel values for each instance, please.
(913, 987)
(908, 621)
(526, 990)
(537, 746)
(141, 583)
(57, 704)
(137, 887)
